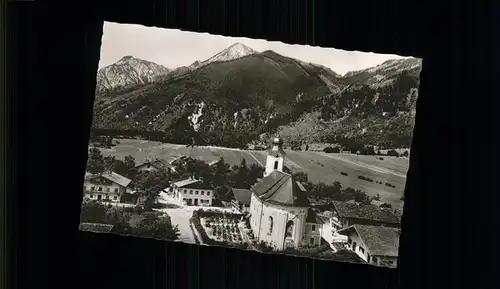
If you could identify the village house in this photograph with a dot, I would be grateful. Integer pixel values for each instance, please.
(376, 245)
(192, 192)
(241, 200)
(279, 210)
(346, 214)
(155, 165)
(108, 186)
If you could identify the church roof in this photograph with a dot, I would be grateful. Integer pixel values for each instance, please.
(280, 188)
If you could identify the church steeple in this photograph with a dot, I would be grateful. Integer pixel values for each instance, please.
(275, 156)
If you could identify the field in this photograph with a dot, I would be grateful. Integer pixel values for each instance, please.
(320, 167)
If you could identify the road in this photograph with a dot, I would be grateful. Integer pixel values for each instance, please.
(180, 216)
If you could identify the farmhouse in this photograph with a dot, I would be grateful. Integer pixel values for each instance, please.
(192, 191)
(279, 210)
(241, 200)
(349, 213)
(158, 164)
(376, 245)
(108, 186)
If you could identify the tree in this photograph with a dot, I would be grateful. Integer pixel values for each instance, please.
(93, 212)
(220, 177)
(367, 150)
(95, 161)
(149, 185)
(240, 175)
(255, 172)
(119, 219)
(157, 227)
(361, 197)
(109, 163)
(300, 177)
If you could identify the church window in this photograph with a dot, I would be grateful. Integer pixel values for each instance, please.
(312, 241)
(270, 225)
(276, 165)
(313, 228)
(289, 229)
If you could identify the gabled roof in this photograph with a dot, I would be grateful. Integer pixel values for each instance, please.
(113, 177)
(95, 227)
(186, 182)
(352, 210)
(242, 195)
(280, 188)
(380, 241)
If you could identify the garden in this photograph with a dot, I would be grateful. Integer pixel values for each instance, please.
(218, 228)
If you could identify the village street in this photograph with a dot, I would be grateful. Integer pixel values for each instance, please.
(180, 215)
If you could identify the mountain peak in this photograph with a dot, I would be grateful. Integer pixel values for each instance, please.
(235, 51)
(126, 58)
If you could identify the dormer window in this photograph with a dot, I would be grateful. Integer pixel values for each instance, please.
(276, 165)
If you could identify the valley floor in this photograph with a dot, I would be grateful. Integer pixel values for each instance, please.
(320, 167)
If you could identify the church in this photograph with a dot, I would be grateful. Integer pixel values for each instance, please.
(279, 212)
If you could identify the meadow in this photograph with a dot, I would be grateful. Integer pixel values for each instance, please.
(319, 166)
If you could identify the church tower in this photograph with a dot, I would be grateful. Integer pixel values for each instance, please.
(275, 157)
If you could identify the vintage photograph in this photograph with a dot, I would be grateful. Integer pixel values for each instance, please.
(250, 144)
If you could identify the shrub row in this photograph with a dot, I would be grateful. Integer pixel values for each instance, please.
(215, 213)
(365, 179)
(390, 185)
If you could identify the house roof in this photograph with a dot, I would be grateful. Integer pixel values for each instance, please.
(280, 188)
(95, 227)
(186, 182)
(301, 187)
(365, 212)
(343, 255)
(113, 177)
(380, 241)
(242, 195)
(213, 162)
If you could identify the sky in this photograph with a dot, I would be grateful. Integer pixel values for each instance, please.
(173, 48)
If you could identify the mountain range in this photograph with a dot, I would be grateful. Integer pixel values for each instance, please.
(240, 96)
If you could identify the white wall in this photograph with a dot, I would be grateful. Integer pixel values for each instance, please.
(204, 197)
(106, 192)
(260, 222)
(270, 164)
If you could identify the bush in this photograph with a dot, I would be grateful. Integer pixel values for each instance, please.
(365, 179)
(344, 174)
(381, 158)
(393, 153)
